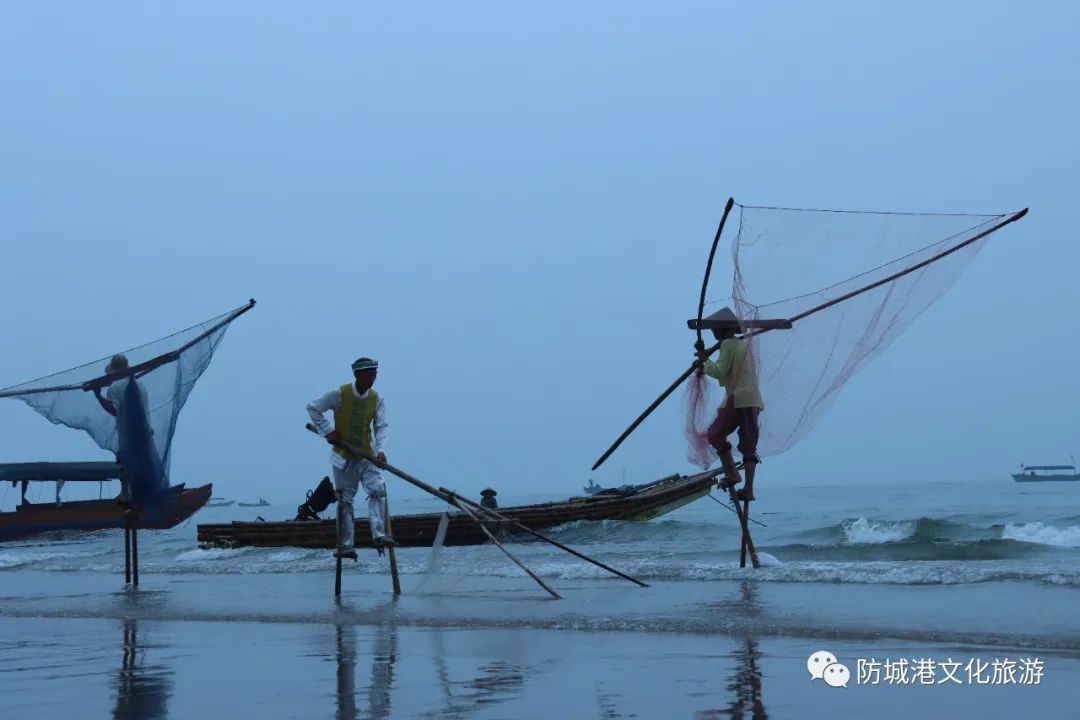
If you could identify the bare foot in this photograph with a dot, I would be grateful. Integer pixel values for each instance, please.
(728, 482)
(745, 494)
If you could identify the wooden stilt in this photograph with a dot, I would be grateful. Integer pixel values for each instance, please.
(337, 577)
(748, 542)
(742, 549)
(393, 557)
(456, 500)
(134, 555)
(742, 509)
(127, 550)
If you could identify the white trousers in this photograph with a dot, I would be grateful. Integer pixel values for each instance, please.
(347, 481)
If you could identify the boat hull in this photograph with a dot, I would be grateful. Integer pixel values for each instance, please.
(1021, 478)
(36, 518)
(651, 501)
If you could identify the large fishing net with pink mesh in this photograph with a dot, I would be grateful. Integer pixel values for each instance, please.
(817, 295)
(849, 283)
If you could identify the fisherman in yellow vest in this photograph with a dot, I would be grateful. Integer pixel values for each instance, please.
(360, 421)
(742, 402)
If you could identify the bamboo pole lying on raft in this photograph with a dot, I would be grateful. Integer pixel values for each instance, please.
(449, 496)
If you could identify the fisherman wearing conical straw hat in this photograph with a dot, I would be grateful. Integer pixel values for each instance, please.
(742, 402)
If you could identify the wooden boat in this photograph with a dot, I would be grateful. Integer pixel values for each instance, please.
(1047, 473)
(635, 503)
(32, 518)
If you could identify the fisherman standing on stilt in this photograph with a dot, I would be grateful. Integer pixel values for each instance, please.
(360, 421)
(742, 403)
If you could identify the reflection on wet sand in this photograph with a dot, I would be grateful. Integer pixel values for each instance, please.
(496, 682)
(384, 654)
(142, 690)
(493, 683)
(744, 684)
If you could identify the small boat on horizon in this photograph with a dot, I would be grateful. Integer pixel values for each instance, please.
(219, 502)
(262, 503)
(1047, 473)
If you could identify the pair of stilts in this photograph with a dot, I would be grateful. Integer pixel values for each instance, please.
(478, 513)
(741, 502)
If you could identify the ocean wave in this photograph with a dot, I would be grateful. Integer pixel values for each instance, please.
(866, 532)
(1038, 533)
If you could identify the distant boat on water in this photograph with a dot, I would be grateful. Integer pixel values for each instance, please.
(219, 502)
(592, 488)
(262, 503)
(1047, 473)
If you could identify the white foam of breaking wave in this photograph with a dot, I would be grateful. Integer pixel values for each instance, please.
(768, 560)
(205, 554)
(875, 532)
(18, 559)
(1037, 532)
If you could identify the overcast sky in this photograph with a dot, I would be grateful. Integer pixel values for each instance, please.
(510, 207)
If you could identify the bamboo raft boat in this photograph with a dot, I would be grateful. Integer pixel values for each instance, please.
(633, 503)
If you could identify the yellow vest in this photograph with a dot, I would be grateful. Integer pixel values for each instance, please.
(353, 420)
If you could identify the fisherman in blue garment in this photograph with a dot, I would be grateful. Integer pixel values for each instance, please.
(115, 404)
(359, 421)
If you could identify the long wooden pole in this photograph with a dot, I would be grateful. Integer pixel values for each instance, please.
(449, 495)
(465, 509)
(655, 404)
(708, 265)
(918, 266)
(520, 526)
(393, 557)
(895, 276)
(135, 370)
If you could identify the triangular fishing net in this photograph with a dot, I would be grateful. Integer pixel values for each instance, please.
(146, 397)
(850, 282)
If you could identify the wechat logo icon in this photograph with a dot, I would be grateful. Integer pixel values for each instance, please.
(822, 665)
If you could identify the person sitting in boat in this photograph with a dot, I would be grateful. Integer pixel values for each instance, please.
(487, 499)
(742, 402)
(114, 403)
(359, 421)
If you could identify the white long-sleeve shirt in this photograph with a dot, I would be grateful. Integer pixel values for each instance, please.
(332, 401)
